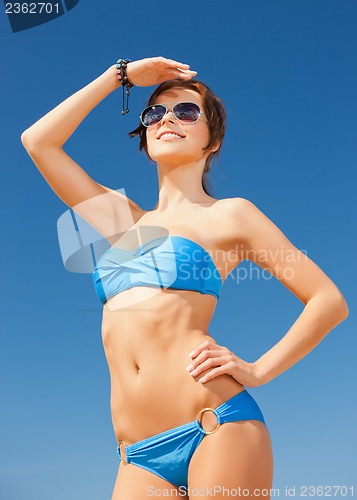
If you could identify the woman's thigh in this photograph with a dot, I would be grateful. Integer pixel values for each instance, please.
(238, 455)
(135, 483)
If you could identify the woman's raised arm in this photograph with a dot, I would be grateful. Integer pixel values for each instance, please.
(45, 138)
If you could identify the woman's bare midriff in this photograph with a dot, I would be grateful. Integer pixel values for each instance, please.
(147, 336)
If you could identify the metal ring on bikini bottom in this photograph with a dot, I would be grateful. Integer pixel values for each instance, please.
(199, 416)
(125, 447)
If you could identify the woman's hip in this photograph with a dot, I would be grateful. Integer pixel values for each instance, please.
(152, 404)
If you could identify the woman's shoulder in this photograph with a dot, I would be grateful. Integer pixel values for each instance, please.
(236, 205)
(239, 215)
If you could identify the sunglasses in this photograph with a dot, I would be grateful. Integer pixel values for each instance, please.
(185, 112)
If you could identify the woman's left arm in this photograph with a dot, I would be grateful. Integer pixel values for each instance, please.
(262, 242)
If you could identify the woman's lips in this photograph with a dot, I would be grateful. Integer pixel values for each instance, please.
(170, 137)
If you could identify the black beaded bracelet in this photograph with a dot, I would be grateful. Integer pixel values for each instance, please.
(122, 77)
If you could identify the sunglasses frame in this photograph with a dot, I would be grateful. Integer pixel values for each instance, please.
(171, 108)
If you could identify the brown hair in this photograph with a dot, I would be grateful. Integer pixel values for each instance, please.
(212, 108)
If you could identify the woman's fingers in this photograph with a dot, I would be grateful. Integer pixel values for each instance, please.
(174, 67)
(176, 64)
(219, 360)
(172, 63)
(215, 360)
(220, 370)
(155, 70)
(203, 357)
(188, 73)
(206, 345)
(184, 75)
(210, 356)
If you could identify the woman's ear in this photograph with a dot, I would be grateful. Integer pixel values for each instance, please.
(215, 147)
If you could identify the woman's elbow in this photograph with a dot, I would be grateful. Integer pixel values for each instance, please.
(341, 306)
(345, 308)
(25, 139)
(31, 145)
(334, 303)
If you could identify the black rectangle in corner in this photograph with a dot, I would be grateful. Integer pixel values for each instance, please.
(70, 4)
(24, 15)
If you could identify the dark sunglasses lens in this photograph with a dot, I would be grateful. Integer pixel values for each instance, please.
(152, 115)
(188, 112)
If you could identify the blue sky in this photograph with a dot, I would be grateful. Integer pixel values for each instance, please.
(287, 74)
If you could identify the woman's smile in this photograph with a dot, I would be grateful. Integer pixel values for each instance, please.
(170, 136)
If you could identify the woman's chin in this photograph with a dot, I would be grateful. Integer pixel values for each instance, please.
(176, 158)
(173, 162)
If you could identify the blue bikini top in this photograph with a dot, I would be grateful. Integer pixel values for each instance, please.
(166, 262)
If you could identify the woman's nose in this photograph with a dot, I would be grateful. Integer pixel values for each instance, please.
(168, 116)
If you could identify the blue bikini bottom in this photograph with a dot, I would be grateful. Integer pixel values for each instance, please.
(168, 454)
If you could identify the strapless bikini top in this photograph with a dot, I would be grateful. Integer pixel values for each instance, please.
(166, 262)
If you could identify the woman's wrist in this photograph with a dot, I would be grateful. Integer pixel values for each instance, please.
(260, 373)
(112, 76)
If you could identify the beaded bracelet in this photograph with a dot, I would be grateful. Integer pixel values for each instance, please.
(122, 77)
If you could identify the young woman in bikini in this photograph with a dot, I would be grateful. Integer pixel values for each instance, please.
(182, 415)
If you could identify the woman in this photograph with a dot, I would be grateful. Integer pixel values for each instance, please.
(182, 415)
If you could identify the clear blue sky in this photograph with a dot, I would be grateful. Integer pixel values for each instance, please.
(287, 74)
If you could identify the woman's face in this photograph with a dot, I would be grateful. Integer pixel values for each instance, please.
(186, 148)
